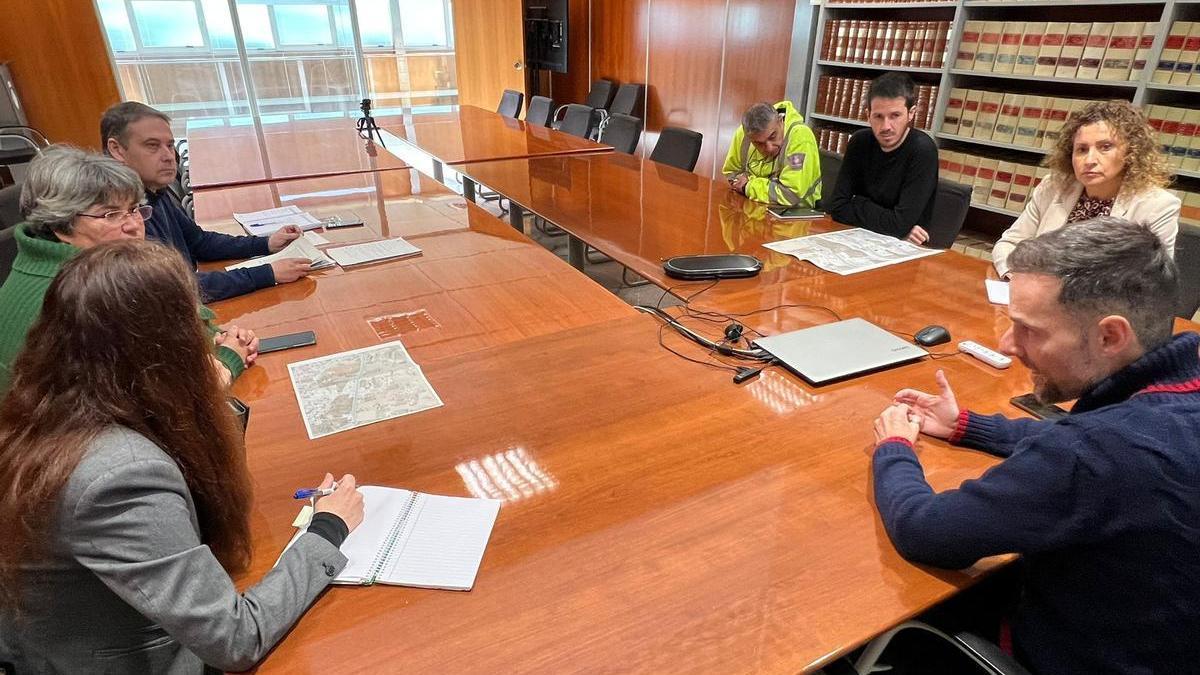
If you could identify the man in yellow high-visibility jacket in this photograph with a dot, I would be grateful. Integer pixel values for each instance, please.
(774, 157)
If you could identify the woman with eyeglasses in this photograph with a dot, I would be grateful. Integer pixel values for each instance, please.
(72, 200)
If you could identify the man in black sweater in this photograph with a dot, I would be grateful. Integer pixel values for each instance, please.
(1104, 504)
(889, 173)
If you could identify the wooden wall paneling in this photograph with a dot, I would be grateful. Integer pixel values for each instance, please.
(572, 86)
(618, 41)
(685, 71)
(60, 65)
(489, 39)
(758, 38)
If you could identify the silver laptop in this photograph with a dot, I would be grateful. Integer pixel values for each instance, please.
(834, 351)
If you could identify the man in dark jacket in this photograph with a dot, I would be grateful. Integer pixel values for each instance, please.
(140, 137)
(1104, 504)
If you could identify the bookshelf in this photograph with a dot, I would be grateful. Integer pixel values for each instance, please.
(1090, 29)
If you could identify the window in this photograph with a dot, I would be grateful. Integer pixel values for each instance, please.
(303, 25)
(424, 23)
(168, 23)
(182, 56)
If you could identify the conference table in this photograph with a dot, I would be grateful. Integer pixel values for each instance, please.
(472, 134)
(238, 151)
(656, 517)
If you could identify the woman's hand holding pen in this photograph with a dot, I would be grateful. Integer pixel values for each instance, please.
(345, 501)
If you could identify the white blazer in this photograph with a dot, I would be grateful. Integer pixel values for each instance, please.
(1048, 208)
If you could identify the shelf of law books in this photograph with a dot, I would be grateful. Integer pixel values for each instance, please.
(997, 80)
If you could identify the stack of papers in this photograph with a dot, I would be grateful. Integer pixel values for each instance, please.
(265, 223)
(299, 248)
(384, 249)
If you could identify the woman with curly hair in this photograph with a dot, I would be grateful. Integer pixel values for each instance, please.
(1106, 163)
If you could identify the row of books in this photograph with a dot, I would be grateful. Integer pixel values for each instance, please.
(995, 182)
(1178, 134)
(847, 97)
(1025, 120)
(886, 43)
(1177, 64)
(832, 140)
(1082, 51)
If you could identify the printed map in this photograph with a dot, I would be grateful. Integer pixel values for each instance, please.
(850, 251)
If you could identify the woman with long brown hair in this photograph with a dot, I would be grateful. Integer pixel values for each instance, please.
(126, 494)
(1106, 162)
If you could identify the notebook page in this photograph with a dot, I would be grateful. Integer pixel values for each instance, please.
(382, 506)
(445, 544)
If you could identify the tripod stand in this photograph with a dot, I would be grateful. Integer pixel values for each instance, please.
(366, 124)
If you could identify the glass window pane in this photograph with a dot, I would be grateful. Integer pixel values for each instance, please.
(423, 22)
(256, 26)
(220, 24)
(342, 26)
(116, 25)
(168, 23)
(303, 25)
(375, 22)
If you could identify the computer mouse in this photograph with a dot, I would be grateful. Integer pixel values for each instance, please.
(932, 335)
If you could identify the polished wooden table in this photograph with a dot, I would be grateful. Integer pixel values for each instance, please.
(476, 284)
(476, 135)
(657, 517)
(226, 155)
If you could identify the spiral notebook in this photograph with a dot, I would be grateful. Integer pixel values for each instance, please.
(415, 539)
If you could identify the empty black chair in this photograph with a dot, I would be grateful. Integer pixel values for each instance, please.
(831, 166)
(510, 103)
(950, 205)
(629, 101)
(601, 95)
(10, 208)
(678, 147)
(1187, 258)
(579, 120)
(622, 132)
(540, 112)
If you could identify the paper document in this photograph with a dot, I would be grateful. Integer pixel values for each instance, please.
(384, 249)
(415, 539)
(359, 387)
(299, 248)
(315, 239)
(851, 251)
(997, 291)
(265, 223)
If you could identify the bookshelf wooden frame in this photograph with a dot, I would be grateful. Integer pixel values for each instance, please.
(950, 77)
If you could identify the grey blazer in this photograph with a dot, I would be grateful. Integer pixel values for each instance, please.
(128, 588)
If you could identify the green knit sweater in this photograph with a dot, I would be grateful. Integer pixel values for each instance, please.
(36, 264)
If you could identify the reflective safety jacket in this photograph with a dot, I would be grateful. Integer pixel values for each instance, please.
(793, 177)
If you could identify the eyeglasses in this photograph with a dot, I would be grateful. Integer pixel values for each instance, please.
(114, 217)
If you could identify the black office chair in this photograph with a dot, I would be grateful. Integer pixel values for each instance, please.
(1187, 258)
(510, 103)
(831, 166)
(629, 100)
(601, 95)
(678, 147)
(951, 202)
(622, 132)
(8, 251)
(10, 206)
(579, 120)
(540, 112)
(968, 651)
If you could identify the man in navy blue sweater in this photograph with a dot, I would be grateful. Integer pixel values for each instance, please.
(140, 137)
(1104, 505)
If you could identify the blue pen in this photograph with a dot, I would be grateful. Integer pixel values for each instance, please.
(312, 493)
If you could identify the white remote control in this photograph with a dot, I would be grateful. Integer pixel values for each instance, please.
(993, 359)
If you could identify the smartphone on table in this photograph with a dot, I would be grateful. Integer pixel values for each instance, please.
(1043, 411)
(290, 341)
